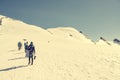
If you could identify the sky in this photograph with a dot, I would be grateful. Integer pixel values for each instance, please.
(95, 18)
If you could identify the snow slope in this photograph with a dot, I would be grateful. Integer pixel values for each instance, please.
(62, 54)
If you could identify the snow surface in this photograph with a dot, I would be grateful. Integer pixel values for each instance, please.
(63, 53)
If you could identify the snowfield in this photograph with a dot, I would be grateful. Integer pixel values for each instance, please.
(63, 53)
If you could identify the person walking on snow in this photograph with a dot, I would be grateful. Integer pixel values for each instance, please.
(32, 56)
(19, 45)
(26, 49)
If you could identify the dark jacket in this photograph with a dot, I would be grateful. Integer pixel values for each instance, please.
(31, 49)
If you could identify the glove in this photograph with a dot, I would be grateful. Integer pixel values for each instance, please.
(34, 57)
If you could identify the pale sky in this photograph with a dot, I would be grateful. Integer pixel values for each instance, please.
(95, 18)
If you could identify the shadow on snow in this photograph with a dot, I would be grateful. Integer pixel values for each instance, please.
(17, 58)
(14, 67)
